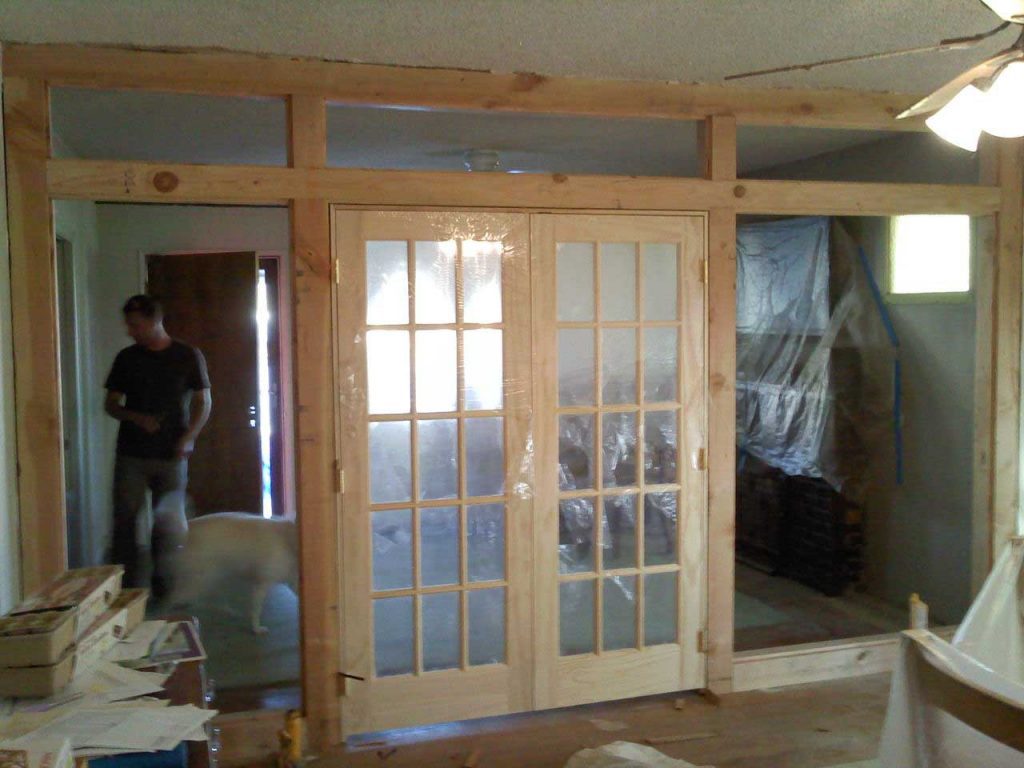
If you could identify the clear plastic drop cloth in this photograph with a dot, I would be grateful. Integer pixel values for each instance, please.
(947, 710)
(815, 362)
(625, 754)
(992, 632)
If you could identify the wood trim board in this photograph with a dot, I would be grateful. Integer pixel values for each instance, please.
(233, 74)
(121, 181)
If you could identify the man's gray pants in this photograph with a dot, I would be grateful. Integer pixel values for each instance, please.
(132, 478)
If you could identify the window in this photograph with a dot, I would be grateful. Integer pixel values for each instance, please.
(930, 255)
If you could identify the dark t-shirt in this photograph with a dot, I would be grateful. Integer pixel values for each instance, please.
(160, 384)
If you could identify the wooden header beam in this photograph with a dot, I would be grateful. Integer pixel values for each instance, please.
(231, 74)
(119, 181)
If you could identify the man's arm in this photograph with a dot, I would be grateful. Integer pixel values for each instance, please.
(112, 405)
(200, 407)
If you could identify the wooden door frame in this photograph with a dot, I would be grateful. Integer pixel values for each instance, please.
(307, 186)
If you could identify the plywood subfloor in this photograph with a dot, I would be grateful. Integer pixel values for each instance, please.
(824, 724)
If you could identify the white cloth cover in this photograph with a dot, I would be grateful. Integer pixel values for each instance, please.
(923, 726)
(624, 754)
(992, 632)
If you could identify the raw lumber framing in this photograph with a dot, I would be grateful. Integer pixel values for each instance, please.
(232, 74)
(314, 374)
(120, 181)
(307, 186)
(1006, 344)
(719, 162)
(34, 323)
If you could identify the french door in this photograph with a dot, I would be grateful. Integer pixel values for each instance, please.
(520, 423)
(620, 502)
(435, 383)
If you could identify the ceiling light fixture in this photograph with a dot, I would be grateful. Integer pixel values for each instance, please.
(988, 98)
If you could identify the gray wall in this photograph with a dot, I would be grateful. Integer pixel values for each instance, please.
(919, 534)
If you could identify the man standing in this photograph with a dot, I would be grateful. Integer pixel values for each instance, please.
(159, 390)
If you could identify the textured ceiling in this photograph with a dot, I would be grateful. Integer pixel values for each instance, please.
(681, 40)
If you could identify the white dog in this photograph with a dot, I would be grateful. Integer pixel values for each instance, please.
(262, 552)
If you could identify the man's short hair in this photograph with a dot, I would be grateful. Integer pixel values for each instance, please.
(144, 305)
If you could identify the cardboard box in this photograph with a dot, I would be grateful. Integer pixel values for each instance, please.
(88, 591)
(134, 602)
(37, 681)
(100, 638)
(36, 639)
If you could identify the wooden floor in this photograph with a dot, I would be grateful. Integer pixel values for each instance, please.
(799, 614)
(808, 726)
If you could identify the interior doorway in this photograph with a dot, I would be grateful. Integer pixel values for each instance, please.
(233, 306)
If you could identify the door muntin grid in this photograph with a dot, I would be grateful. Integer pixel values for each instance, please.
(618, 409)
(437, 448)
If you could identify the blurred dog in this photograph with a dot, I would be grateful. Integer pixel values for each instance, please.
(259, 551)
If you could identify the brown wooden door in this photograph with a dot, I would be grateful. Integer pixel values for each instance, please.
(210, 302)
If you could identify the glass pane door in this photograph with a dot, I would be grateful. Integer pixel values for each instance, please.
(435, 384)
(619, 326)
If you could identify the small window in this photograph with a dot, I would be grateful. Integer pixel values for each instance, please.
(930, 255)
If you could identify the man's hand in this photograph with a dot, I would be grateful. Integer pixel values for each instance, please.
(184, 447)
(147, 422)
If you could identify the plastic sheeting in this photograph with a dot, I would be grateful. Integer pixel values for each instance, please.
(814, 363)
(992, 632)
(947, 710)
(625, 754)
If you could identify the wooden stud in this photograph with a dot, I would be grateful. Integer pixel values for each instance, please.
(121, 181)
(998, 342)
(720, 153)
(234, 74)
(315, 427)
(35, 330)
(983, 276)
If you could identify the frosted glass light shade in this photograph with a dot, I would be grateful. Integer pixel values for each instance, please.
(1004, 103)
(960, 121)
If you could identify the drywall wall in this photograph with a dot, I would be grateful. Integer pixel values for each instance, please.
(10, 563)
(75, 222)
(126, 233)
(918, 534)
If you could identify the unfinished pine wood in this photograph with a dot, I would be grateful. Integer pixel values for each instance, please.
(120, 181)
(1007, 349)
(604, 674)
(804, 727)
(981, 488)
(716, 143)
(468, 690)
(244, 75)
(315, 427)
(719, 150)
(35, 331)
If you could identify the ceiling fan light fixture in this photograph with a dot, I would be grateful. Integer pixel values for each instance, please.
(961, 121)
(1004, 103)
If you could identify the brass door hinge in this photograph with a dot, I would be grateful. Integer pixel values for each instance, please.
(337, 271)
(339, 478)
(702, 270)
(702, 641)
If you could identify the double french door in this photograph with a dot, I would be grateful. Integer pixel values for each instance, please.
(521, 425)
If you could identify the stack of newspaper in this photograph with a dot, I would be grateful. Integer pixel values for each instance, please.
(108, 709)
